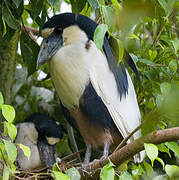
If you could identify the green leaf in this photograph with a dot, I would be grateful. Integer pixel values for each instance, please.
(11, 150)
(13, 169)
(27, 55)
(160, 177)
(73, 173)
(102, 2)
(1, 152)
(173, 65)
(159, 100)
(108, 172)
(148, 169)
(133, 36)
(116, 5)
(134, 57)
(12, 130)
(53, 2)
(26, 150)
(4, 27)
(59, 175)
(1, 99)
(123, 167)
(138, 170)
(6, 173)
(109, 19)
(172, 171)
(86, 10)
(9, 18)
(151, 151)
(8, 112)
(77, 5)
(152, 54)
(17, 2)
(125, 176)
(121, 50)
(173, 146)
(36, 8)
(99, 35)
(94, 4)
(163, 148)
(145, 61)
(176, 45)
(164, 5)
(55, 167)
(161, 162)
(29, 50)
(170, 6)
(165, 88)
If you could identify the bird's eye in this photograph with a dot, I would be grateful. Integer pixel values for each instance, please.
(58, 30)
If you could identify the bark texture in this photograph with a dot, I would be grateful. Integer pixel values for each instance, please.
(8, 51)
(7, 65)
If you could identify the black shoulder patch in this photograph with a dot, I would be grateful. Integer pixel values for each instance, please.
(95, 110)
(118, 69)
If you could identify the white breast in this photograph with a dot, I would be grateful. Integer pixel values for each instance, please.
(69, 73)
(28, 135)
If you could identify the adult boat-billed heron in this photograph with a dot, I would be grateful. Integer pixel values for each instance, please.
(96, 93)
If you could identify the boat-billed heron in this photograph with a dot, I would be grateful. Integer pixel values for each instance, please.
(40, 133)
(96, 92)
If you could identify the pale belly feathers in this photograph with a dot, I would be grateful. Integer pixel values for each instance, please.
(69, 73)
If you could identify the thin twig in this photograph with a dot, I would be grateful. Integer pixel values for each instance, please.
(72, 155)
(123, 142)
(72, 140)
(158, 35)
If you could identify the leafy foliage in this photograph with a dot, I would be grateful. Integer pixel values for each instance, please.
(151, 151)
(108, 172)
(8, 150)
(99, 35)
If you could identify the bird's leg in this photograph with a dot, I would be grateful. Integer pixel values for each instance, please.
(106, 150)
(86, 160)
(105, 153)
(87, 156)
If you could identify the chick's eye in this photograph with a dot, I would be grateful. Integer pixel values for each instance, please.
(58, 30)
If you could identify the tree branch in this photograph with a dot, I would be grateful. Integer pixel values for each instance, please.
(123, 142)
(30, 30)
(129, 150)
(33, 32)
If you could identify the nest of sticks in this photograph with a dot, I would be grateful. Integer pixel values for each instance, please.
(66, 162)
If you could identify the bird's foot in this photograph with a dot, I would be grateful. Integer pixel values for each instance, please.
(58, 160)
(85, 168)
(97, 160)
(103, 157)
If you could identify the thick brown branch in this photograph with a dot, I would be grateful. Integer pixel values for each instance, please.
(30, 30)
(129, 150)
